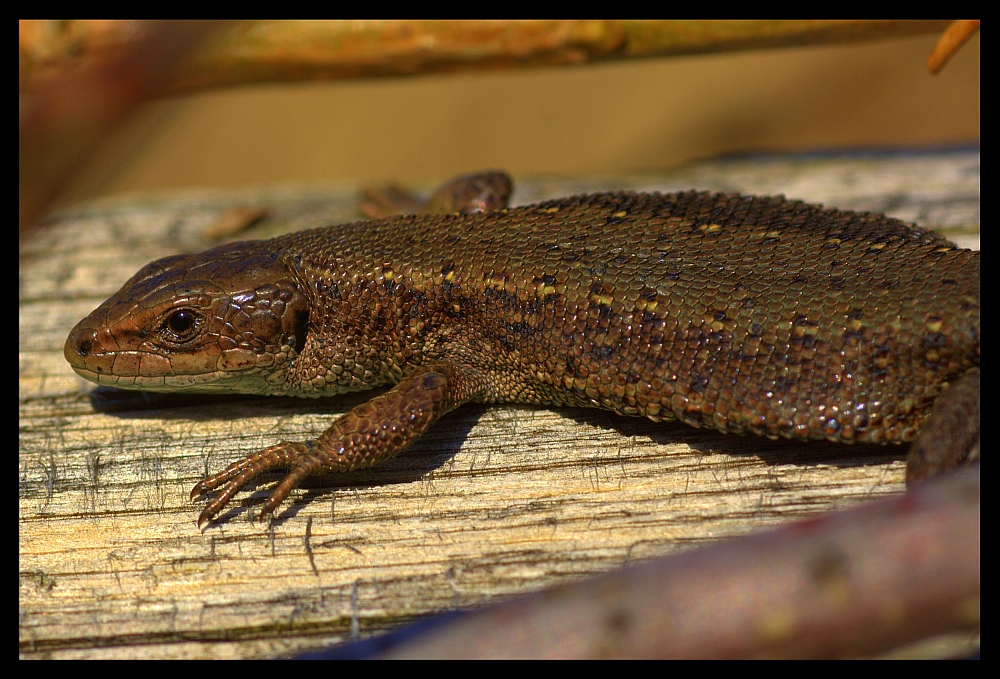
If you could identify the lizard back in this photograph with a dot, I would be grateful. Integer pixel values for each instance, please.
(747, 314)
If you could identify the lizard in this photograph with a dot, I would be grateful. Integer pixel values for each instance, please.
(748, 314)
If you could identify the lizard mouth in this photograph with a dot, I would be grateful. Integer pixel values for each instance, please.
(111, 369)
(214, 381)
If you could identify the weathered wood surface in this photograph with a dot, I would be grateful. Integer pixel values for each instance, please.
(493, 501)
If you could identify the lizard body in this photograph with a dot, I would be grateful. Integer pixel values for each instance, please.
(746, 314)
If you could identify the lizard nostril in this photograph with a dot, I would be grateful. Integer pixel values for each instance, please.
(84, 347)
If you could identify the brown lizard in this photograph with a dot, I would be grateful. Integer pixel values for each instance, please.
(749, 314)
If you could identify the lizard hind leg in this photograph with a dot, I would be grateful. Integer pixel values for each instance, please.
(950, 436)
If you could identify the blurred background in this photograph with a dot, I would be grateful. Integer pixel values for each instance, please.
(594, 119)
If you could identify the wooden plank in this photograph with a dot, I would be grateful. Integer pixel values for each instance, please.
(494, 501)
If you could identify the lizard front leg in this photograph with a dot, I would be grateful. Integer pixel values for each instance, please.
(367, 435)
(479, 192)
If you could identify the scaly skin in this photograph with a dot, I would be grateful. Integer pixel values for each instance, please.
(746, 314)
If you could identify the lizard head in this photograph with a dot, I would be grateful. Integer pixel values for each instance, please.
(231, 319)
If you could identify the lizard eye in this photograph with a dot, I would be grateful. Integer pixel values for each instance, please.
(180, 323)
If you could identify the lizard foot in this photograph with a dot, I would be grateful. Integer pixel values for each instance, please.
(298, 457)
